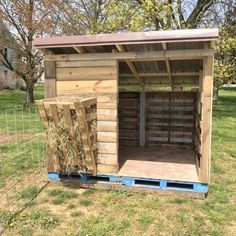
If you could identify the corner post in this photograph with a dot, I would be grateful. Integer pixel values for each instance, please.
(50, 78)
(206, 99)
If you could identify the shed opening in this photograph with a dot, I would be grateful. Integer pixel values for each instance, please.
(157, 135)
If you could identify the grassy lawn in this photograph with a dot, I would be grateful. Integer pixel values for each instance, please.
(14, 116)
(63, 211)
(22, 146)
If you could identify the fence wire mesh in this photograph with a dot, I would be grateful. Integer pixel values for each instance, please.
(22, 158)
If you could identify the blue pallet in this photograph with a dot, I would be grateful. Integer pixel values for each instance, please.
(139, 182)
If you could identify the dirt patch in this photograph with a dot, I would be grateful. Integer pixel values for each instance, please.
(9, 194)
(11, 138)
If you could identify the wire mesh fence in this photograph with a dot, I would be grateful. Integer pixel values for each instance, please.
(22, 158)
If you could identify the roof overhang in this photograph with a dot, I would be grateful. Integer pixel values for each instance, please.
(187, 35)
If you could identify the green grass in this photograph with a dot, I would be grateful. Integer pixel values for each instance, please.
(20, 156)
(14, 115)
(24, 148)
(60, 196)
(85, 202)
(16, 98)
(71, 206)
(76, 214)
(130, 213)
(29, 193)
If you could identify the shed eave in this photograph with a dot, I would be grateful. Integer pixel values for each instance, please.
(189, 35)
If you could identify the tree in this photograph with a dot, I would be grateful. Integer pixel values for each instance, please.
(225, 60)
(22, 20)
(103, 16)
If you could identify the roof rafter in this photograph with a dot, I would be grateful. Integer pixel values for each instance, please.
(168, 67)
(131, 66)
(80, 49)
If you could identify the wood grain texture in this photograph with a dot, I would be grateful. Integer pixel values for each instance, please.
(86, 73)
(95, 79)
(135, 56)
(99, 86)
(173, 163)
(206, 98)
(83, 64)
(50, 79)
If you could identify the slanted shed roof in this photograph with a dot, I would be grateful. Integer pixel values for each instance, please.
(191, 35)
(145, 58)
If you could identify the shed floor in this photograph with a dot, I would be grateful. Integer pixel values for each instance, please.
(170, 163)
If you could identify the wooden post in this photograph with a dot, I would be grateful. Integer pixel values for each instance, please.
(206, 99)
(50, 79)
(142, 125)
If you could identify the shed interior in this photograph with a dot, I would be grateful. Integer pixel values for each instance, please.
(161, 83)
(158, 125)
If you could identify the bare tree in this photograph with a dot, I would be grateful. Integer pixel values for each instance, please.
(22, 20)
(101, 16)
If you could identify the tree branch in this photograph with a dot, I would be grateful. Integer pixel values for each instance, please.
(197, 13)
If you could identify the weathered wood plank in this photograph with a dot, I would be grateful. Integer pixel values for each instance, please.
(50, 88)
(111, 137)
(107, 126)
(107, 148)
(107, 169)
(78, 64)
(86, 73)
(50, 79)
(207, 86)
(105, 86)
(135, 56)
(101, 97)
(107, 159)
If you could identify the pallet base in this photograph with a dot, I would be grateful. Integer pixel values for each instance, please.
(133, 182)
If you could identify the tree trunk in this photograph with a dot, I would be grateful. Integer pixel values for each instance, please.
(216, 94)
(29, 92)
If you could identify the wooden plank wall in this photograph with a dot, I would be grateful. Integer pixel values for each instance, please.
(170, 118)
(129, 103)
(95, 79)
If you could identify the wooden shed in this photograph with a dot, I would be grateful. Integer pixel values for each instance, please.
(154, 100)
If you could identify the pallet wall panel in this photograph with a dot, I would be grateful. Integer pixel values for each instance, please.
(170, 118)
(129, 104)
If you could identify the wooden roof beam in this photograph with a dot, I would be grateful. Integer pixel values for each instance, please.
(45, 51)
(136, 56)
(168, 67)
(161, 74)
(79, 49)
(131, 66)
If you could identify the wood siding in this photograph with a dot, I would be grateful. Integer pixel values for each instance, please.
(129, 119)
(170, 118)
(95, 79)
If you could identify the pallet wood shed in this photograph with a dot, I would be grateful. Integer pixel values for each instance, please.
(154, 98)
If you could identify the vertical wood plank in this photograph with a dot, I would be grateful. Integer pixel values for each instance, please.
(50, 79)
(69, 123)
(207, 90)
(142, 136)
(80, 112)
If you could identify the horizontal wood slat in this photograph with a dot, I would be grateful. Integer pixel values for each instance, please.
(86, 73)
(99, 86)
(84, 64)
(129, 119)
(170, 118)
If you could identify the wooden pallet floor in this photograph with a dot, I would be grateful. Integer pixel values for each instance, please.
(170, 163)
